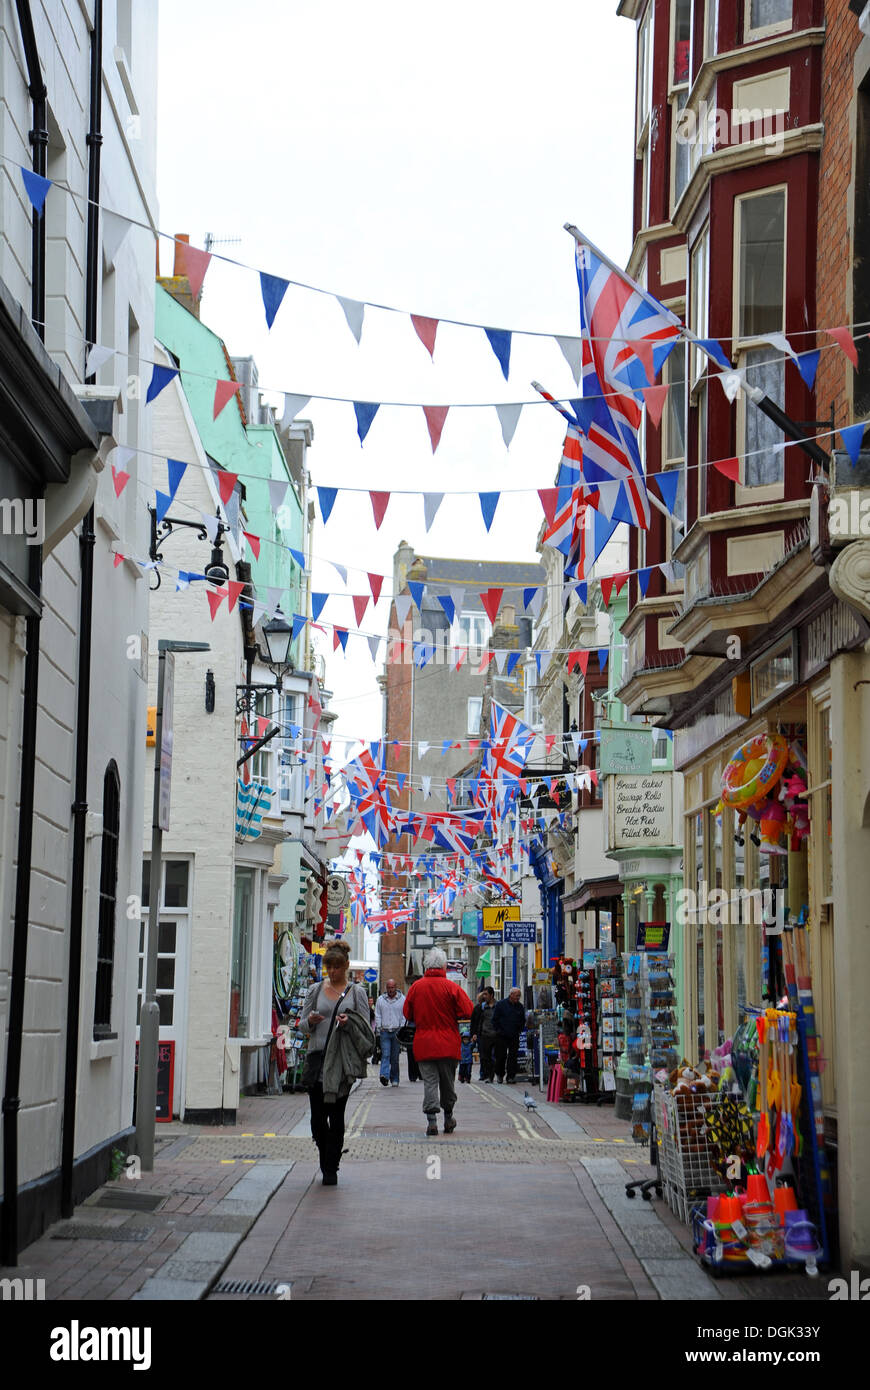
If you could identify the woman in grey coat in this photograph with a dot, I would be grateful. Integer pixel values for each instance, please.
(321, 1001)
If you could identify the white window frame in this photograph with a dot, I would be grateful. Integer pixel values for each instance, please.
(680, 93)
(764, 492)
(477, 623)
(670, 460)
(672, 49)
(764, 31)
(473, 724)
(644, 75)
(699, 314)
(711, 31)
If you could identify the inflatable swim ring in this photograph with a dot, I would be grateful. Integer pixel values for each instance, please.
(754, 770)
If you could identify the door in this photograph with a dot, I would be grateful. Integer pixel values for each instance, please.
(173, 942)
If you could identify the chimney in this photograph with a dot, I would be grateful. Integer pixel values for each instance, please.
(177, 284)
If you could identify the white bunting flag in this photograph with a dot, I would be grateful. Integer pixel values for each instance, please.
(374, 643)
(572, 349)
(608, 494)
(423, 749)
(114, 229)
(354, 312)
(275, 594)
(403, 605)
(508, 418)
(458, 596)
(500, 659)
(211, 526)
(431, 502)
(732, 383)
(667, 570)
(97, 358)
(292, 406)
(277, 493)
(426, 783)
(534, 606)
(781, 343)
(340, 571)
(258, 611)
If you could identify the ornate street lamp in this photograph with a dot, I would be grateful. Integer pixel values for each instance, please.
(277, 635)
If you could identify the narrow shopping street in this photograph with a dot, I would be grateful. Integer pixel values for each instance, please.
(229, 1213)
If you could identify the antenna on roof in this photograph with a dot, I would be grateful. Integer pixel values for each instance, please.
(211, 241)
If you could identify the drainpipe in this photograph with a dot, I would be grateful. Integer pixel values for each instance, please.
(83, 691)
(11, 1099)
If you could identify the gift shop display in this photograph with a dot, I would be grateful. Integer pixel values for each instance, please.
(611, 1020)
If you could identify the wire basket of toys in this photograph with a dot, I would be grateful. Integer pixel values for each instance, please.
(685, 1107)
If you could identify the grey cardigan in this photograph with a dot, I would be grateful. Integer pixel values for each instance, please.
(356, 999)
(348, 1052)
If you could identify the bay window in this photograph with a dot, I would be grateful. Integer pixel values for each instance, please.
(759, 310)
(765, 17)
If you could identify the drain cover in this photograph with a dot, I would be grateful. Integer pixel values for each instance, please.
(131, 1200)
(250, 1156)
(81, 1231)
(247, 1286)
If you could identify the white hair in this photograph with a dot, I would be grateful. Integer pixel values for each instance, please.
(436, 959)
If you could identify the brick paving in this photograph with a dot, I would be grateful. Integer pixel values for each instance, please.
(518, 1202)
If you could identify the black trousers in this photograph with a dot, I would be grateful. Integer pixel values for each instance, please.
(506, 1050)
(485, 1047)
(327, 1128)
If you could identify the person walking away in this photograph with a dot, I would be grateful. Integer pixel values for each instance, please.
(327, 1007)
(388, 1020)
(483, 1033)
(466, 1055)
(509, 1018)
(436, 1004)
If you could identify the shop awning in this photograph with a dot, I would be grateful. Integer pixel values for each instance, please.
(484, 965)
(591, 891)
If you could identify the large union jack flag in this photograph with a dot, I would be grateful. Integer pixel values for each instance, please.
(509, 743)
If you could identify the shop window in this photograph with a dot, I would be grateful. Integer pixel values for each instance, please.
(243, 934)
(107, 900)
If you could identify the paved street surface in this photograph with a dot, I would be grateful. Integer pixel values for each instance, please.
(515, 1204)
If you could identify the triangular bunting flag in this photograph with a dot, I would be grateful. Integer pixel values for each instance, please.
(435, 417)
(654, 399)
(365, 412)
(117, 560)
(299, 621)
(160, 377)
(215, 599)
(360, 604)
(425, 330)
(488, 503)
(780, 342)
(340, 571)
(485, 659)
(729, 468)
(176, 470)
(113, 229)
(508, 418)
(277, 493)
(36, 188)
(162, 505)
(120, 480)
(732, 383)
(713, 349)
(416, 589)
(668, 571)
(223, 393)
(374, 643)
(852, 435)
(292, 406)
(97, 358)
(193, 263)
(447, 605)
(403, 606)
(643, 351)
(211, 526)
(491, 598)
(500, 342)
(339, 638)
(542, 661)
(807, 364)
(643, 578)
(846, 342)
(354, 312)
(226, 484)
(619, 581)
(608, 495)
(317, 604)
(606, 589)
(603, 654)
(572, 350)
(380, 501)
(528, 595)
(235, 588)
(668, 484)
(500, 659)
(549, 501)
(513, 662)
(375, 583)
(326, 497)
(431, 502)
(298, 557)
(253, 542)
(273, 289)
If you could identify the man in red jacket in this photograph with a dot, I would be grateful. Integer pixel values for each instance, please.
(435, 1004)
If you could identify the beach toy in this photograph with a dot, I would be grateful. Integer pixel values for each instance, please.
(784, 1201)
(773, 820)
(757, 1189)
(761, 1142)
(801, 1242)
(754, 770)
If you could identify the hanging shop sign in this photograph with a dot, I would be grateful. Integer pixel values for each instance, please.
(495, 916)
(518, 933)
(640, 811)
(653, 936)
(472, 921)
(625, 750)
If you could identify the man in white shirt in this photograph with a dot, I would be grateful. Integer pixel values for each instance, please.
(388, 1020)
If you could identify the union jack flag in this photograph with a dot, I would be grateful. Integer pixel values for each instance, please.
(366, 782)
(509, 743)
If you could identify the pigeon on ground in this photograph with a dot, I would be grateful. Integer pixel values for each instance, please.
(528, 1102)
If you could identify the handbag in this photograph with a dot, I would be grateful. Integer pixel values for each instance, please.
(312, 1070)
(405, 1035)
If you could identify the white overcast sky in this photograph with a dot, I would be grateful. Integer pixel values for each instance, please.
(424, 158)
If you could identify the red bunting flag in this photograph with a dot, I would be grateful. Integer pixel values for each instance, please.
(253, 542)
(435, 417)
(425, 330)
(462, 653)
(215, 599)
(549, 501)
(119, 559)
(485, 659)
(337, 634)
(375, 582)
(573, 660)
(654, 398)
(491, 600)
(223, 392)
(579, 658)
(619, 580)
(360, 604)
(193, 263)
(380, 502)
(606, 588)
(729, 468)
(226, 483)
(549, 740)
(473, 745)
(451, 786)
(262, 725)
(643, 351)
(846, 341)
(236, 587)
(120, 480)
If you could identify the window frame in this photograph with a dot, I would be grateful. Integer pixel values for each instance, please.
(110, 841)
(747, 492)
(699, 323)
(764, 31)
